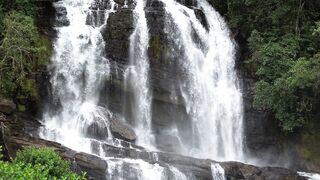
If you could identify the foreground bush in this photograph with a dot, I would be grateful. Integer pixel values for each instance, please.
(33, 163)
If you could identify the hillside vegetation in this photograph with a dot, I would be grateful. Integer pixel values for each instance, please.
(282, 50)
(22, 50)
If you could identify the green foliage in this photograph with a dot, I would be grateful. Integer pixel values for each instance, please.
(27, 7)
(22, 51)
(46, 157)
(273, 57)
(282, 48)
(294, 97)
(35, 163)
(316, 31)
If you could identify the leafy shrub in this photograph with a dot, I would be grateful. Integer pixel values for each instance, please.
(32, 163)
(22, 51)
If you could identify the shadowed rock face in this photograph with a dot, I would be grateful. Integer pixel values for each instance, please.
(260, 138)
(96, 167)
(165, 72)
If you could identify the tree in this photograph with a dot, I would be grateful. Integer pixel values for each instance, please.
(22, 51)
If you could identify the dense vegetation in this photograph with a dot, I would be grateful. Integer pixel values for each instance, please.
(35, 163)
(282, 49)
(22, 49)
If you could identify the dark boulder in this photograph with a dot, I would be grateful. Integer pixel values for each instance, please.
(61, 16)
(116, 35)
(122, 130)
(100, 128)
(97, 131)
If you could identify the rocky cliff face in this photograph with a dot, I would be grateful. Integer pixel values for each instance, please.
(263, 137)
(262, 134)
(164, 71)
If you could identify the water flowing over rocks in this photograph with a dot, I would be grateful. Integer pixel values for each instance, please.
(110, 26)
(118, 129)
(23, 134)
(169, 73)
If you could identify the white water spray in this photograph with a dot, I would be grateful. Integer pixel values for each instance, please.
(79, 70)
(217, 172)
(210, 90)
(137, 77)
(310, 176)
(127, 169)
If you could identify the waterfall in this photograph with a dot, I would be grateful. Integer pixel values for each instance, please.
(127, 169)
(217, 172)
(310, 176)
(210, 89)
(137, 77)
(79, 69)
(208, 86)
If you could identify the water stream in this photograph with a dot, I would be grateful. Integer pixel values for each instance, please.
(137, 77)
(79, 70)
(209, 86)
(210, 90)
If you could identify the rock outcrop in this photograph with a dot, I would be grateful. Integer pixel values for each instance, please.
(99, 129)
(97, 168)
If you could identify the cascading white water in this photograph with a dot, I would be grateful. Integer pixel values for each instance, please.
(178, 175)
(137, 77)
(127, 169)
(79, 69)
(210, 89)
(217, 172)
(310, 176)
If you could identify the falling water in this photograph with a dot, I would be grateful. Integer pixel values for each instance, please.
(137, 77)
(208, 85)
(79, 70)
(210, 90)
(217, 172)
(132, 169)
(127, 169)
(310, 176)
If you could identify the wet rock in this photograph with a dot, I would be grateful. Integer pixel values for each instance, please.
(100, 128)
(116, 36)
(242, 171)
(45, 18)
(189, 3)
(123, 3)
(122, 131)
(97, 131)
(96, 167)
(7, 107)
(200, 15)
(61, 16)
